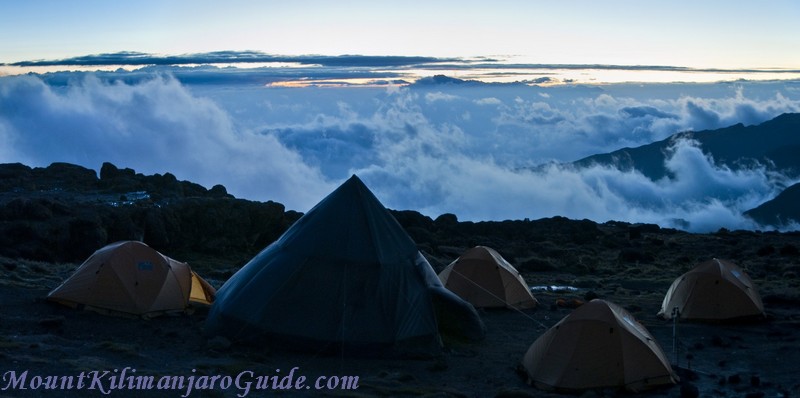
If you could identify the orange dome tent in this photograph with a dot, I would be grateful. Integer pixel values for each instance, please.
(599, 345)
(130, 277)
(714, 290)
(482, 277)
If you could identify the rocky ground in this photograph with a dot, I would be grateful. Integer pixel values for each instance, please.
(49, 226)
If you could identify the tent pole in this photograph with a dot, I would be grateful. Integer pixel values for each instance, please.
(675, 314)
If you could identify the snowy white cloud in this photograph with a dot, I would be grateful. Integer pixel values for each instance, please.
(463, 149)
(155, 126)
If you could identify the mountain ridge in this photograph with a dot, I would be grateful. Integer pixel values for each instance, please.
(773, 144)
(770, 143)
(782, 211)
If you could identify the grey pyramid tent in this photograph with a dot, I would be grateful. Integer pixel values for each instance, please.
(599, 345)
(714, 290)
(344, 278)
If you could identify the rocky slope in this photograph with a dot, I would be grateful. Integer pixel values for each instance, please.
(64, 212)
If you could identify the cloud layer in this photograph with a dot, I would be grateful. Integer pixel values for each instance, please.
(480, 151)
(155, 126)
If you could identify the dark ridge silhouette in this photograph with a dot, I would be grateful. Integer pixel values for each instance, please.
(781, 211)
(444, 80)
(437, 80)
(64, 212)
(774, 144)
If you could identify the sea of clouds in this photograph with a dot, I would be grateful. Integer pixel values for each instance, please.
(480, 151)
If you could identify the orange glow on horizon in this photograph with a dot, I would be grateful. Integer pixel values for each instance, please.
(333, 83)
(547, 75)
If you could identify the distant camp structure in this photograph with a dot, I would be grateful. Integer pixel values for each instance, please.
(129, 277)
(344, 279)
(714, 290)
(598, 345)
(482, 277)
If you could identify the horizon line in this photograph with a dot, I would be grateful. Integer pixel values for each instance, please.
(135, 58)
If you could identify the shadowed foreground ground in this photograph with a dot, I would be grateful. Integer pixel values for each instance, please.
(728, 360)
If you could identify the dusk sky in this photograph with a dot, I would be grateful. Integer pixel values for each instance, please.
(718, 34)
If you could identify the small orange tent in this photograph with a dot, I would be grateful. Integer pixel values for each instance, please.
(130, 277)
(482, 277)
(714, 290)
(598, 345)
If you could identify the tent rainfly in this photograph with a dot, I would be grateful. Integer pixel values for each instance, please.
(129, 277)
(345, 279)
(482, 277)
(598, 345)
(715, 290)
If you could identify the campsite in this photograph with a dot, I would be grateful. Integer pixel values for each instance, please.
(568, 265)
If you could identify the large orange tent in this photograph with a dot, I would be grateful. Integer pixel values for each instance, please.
(130, 277)
(482, 277)
(714, 290)
(598, 345)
